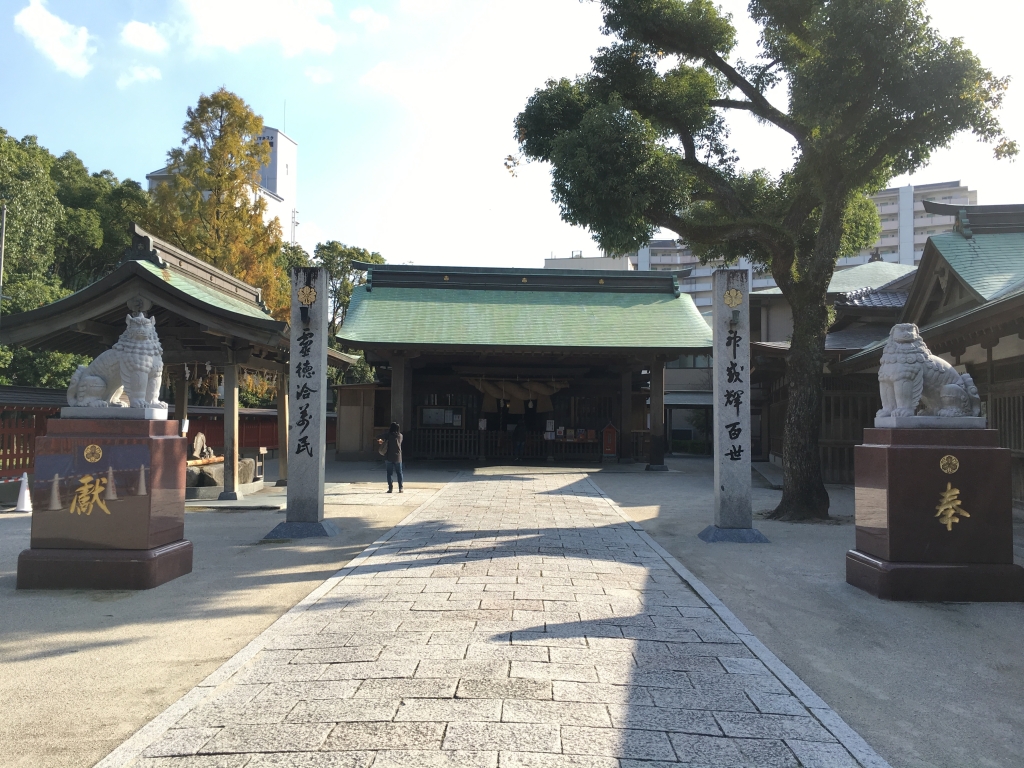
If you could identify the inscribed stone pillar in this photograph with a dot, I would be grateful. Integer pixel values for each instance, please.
(282, 428)
(626, 425)
(657, 416)
(731, 329)
(307, 393)
(231, 452)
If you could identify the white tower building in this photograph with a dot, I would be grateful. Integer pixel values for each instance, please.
(279, 180)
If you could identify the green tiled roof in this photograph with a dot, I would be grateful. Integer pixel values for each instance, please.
(993, 265)
(872, 275)
(205, 293)
(523, 318)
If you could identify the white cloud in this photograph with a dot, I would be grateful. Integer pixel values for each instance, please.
(369, 18)
(66, 45)
(424, 7)
(145, 37)
(319, 75)
(296, 25)
(137, 74)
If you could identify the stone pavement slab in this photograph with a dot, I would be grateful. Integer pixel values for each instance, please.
(512, 620)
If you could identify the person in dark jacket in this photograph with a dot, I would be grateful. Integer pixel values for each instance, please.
(519, 441)
(391, 448)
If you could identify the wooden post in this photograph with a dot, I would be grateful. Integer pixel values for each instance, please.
(282, 429)
(626, 419)
(231, 433)
(657, 462)
(399, 384)
(407, 410)
(180, 393)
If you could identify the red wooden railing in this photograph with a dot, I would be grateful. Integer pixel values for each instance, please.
(18, 432)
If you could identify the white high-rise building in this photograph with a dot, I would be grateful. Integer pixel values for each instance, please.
(278, 180)
(906, 226)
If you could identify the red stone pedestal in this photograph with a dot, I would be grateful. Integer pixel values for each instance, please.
(905, 550)
(86, 535)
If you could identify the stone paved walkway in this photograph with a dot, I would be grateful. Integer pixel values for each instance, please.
(516, 621)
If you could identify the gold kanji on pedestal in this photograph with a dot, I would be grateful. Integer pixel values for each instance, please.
(88, 494)
(949, 507)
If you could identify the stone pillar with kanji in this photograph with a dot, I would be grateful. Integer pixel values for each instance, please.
(307, 407)
(731, 331)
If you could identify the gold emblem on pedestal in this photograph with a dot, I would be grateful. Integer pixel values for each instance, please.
(732, 298)
(949, 507)
(93, 453)
(307, 295)
(949, 464)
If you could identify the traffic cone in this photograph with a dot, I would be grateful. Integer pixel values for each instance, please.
(142, 481)
(24, 495)
(55, 494)
(111, 494)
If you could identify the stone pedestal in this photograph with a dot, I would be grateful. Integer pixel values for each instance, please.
(934, 517)
(109, 506)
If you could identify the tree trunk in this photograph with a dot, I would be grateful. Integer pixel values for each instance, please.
(803, 493)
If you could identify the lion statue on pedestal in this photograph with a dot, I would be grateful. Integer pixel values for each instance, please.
(914, 382)
(127, 375)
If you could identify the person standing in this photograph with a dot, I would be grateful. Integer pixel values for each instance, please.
(390, 447)
(519, 440)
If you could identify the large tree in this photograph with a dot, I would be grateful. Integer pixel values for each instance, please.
(36, 223)
(212, 207)
(343, 277)
(93, 233)
(641, 143)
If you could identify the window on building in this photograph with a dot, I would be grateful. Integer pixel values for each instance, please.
(690, 361)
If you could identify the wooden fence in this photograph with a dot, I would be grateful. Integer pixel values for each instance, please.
(1006, 413)
(848, 405)
(18, 432)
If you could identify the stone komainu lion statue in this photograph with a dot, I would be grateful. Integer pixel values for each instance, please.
(914, 382)
(126, 375)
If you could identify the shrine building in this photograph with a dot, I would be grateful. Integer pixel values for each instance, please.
(465, 355)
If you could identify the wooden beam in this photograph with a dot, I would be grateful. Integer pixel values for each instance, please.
(231, 436)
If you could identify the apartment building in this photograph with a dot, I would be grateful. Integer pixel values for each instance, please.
(278, 180)
(667, 256)
(906, 225)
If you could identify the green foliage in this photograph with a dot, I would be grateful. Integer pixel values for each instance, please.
(45, 368)
(35, 229)
(33, 210)
(359, 372)
(98, 208)
(292, 255)
(212, 207)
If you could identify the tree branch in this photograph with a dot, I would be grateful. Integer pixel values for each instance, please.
(760, 106)
(770, 237)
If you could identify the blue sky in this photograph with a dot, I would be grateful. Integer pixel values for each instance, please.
(402, 109)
